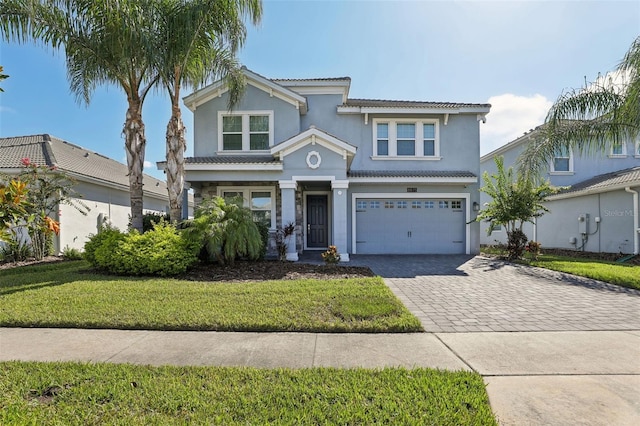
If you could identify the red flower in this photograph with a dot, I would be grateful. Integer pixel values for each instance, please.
(26, 161)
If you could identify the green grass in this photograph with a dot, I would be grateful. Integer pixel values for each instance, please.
(68, 294)
(137, 395)
(611, 272)
(602, 270)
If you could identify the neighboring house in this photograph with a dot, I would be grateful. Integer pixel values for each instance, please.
(368, 176)
(599, 211)
(101, 181)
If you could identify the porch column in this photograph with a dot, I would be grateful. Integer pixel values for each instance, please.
(339, 188)
(288, 197)
(185, 201)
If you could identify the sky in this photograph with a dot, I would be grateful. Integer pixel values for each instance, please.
(518, 56)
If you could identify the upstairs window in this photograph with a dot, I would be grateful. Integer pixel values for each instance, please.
(618, 149)
(406, 139)
(245, 131)
(562, 162)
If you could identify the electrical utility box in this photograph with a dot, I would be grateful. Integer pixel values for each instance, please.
(583, 223)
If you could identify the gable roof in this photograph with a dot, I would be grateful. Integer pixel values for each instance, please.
(602, 183)
(513, 144)
(314, 135)
(80, 163)
(220, 87)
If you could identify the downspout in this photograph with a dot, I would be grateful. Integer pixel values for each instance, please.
(636, 220)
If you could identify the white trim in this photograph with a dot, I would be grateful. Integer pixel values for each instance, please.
(592, 191)
(454, 180)
(311, 164)
(246, 196)
(245, 130)
(220, 87)
(313, 178)
(623, 154)
(329, 218)
(405, 158)
(339, 184)
(207, 167)
(313, 136)
(454, 195)
(392, 139)
(552, 170)
(288, 184)
(413, 110)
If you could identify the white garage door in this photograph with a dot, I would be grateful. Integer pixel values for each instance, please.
(410, 226)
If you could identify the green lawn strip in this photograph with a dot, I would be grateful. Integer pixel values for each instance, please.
(67, 294)
(602, 270)
(76, 393)
(611, 272)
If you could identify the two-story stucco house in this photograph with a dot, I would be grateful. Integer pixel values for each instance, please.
(599, 210)
(368, 176)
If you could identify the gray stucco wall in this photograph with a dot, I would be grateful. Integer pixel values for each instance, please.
(286, 118)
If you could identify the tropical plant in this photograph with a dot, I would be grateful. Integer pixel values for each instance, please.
(14, 202)
(331, 256)
(105, 42)
(2, 77)
(282, 237)
(514, 201)
(224, 231)
(590, 119)
(197, 40)
(48, 188)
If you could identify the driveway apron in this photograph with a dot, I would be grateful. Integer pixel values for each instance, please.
(470, 294)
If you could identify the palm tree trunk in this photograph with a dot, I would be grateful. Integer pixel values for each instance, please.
(176, 146)
(134, 143)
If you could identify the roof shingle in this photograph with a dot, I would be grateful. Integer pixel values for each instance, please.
(409, 173)
(51, 151)
(381, 103)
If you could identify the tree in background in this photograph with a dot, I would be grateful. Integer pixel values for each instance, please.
(197, 40)
(514, 201)
(2, 77)
(105, 42)
(590, 119)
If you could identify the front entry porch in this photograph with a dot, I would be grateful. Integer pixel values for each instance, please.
(318, 207)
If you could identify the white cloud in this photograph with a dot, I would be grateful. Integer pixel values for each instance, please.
(510, 117)
(148, 164)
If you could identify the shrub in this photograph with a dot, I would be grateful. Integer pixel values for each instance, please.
(263, 228)
(161, 251)
(71, 253)
(283, 235)
(15, 250)
(224, 231)
(331, 256)
(516, 242)
(96, 240)
(150, 218)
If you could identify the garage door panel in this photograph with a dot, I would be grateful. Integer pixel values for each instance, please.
(410, 226)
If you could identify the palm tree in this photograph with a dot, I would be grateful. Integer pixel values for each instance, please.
(589, 119)
(105, 42)
(2, 77)
(197, 40)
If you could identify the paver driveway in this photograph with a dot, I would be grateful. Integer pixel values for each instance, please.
(461, 293)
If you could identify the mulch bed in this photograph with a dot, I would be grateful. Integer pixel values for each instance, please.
(248, 271)
(273, 270)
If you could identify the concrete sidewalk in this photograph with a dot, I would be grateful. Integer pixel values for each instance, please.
(590, 378)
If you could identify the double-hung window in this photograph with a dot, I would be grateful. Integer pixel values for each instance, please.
(406, 139)
(245, 131)
(618, 150)
(562, 162)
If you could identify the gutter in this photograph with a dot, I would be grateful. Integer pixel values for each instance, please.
(636, 221)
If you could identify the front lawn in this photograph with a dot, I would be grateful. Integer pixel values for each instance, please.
(68, 294)
(74, 394)
(626, 275)
(611, 272)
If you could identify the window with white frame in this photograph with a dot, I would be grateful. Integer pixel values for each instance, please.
(260, 200)
(403, 139)
(245, 131)
(618, 149)
(562, 161)
(638, 147)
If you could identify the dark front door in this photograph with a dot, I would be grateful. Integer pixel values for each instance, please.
(317, 223)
